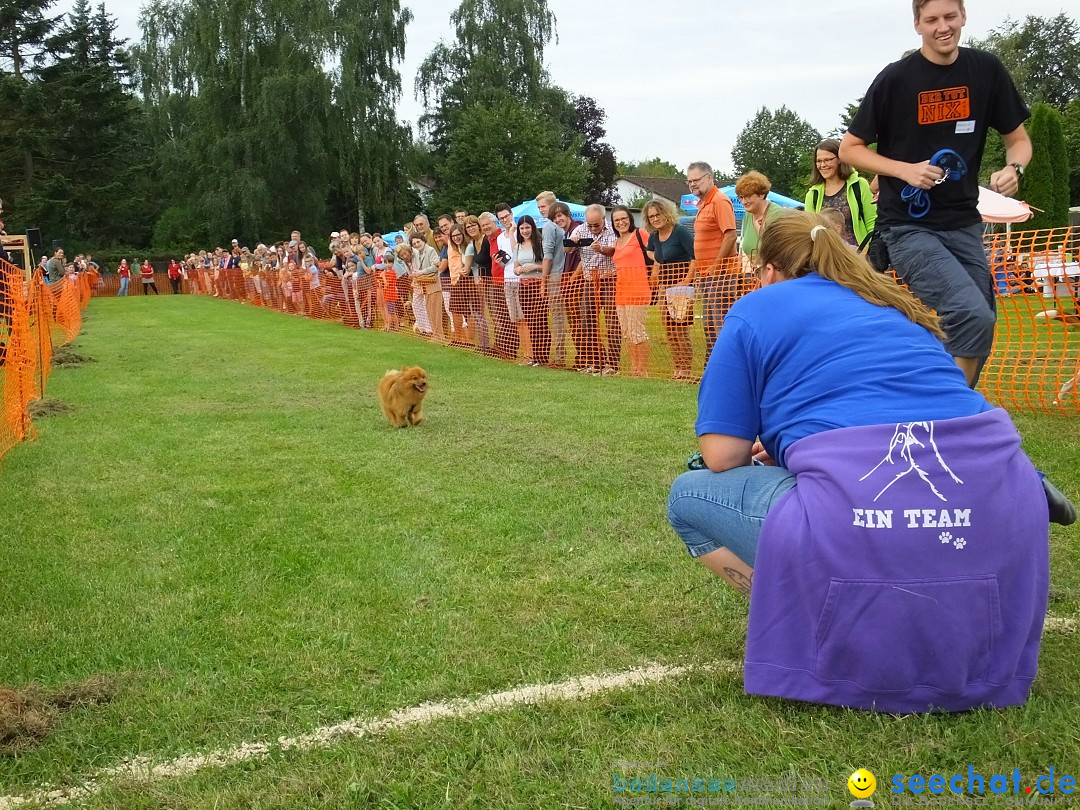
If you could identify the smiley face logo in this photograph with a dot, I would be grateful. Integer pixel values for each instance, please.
(862, 783)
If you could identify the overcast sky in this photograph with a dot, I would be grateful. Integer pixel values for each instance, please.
(679, 80)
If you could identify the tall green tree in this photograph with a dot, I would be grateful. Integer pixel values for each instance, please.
(1042, 54)
(495, 61)
(1045, 183)
(507, 152)
(271, 114)
(776, 144)
(24, 27)
(653, 167)
(497, 51)
(79, 129)
(1070, 125)
(598, 155)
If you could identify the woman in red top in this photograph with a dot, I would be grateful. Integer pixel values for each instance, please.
(632, 291)
(125, 276)
(175, 276)
(147, 273)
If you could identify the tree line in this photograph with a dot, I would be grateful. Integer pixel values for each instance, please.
(254, 117)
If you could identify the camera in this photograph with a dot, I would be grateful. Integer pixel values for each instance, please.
(502, 256)
(584, 241)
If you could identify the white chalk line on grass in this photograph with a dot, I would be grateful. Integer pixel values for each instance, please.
(142, 770)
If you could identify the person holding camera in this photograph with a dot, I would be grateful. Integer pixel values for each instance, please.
(596, 241)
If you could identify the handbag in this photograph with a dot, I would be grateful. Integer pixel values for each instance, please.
(876, 251)
(680, 303)
(648, 262)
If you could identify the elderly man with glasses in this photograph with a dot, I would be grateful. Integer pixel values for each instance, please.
(714, 249)
(597, 241)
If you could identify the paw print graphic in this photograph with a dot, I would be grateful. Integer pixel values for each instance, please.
(959, 543)
(945, 537)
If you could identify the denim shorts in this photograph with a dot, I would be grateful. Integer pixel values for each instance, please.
(710, 510)
(948, 271)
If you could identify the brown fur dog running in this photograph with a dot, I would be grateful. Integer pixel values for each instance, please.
(401, 395)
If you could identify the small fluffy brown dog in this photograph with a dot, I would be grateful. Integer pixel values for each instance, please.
(401, 395)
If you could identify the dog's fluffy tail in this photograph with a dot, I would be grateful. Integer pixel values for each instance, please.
(391, 373)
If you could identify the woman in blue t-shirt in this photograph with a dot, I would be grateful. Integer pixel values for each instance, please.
(826, 343)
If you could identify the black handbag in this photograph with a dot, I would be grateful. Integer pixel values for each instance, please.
(876, 251)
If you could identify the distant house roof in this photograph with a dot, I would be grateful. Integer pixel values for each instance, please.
(665, 187)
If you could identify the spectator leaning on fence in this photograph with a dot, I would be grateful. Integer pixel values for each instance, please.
(929, 114)
(505, 336)
(478, 266)
(632, 291)
(714, 249)
(54, 268)
(551, 239)
(463, 292)
(599, 271)
(529, 269)
(571, 288)
(672, 246)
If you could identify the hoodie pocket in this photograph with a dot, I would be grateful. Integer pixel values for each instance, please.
(893, 635)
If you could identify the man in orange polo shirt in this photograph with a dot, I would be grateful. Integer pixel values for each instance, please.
(714, 249)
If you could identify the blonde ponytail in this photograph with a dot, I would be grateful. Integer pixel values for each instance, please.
(798, 242)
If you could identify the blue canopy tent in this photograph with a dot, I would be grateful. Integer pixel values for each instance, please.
(577, 212)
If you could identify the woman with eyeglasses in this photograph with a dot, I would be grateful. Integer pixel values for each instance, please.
(477, 268)
(753, 190)
(874, 521)
(632, 291)
(837, 185)
(672, 246)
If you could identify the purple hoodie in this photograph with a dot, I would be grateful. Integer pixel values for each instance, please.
(908, 570)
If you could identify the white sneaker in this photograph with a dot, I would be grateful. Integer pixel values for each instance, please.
(609, 371)
(587, 370)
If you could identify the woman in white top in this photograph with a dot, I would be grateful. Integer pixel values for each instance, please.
(427, 294)
(532, 308)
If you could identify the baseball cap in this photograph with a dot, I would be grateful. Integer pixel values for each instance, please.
(236, 241)
(333, 234)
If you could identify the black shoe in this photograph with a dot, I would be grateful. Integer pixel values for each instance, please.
(1061, 509)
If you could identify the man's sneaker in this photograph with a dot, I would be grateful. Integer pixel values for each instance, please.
(1061, 509)
(587, 370)
(609, 371)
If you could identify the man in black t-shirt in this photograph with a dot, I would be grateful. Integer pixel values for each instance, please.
(929, 114)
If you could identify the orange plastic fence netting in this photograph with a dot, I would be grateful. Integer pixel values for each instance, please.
(34, 318)
(622, 325)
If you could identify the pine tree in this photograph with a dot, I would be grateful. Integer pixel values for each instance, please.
(1046, 181)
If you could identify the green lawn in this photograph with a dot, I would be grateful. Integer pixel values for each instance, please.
(224, 525)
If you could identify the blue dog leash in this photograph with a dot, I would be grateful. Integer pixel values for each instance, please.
(918, 199)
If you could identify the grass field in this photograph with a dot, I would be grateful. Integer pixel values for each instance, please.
(225, 530)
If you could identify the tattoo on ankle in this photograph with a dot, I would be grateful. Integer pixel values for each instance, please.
(739, 580)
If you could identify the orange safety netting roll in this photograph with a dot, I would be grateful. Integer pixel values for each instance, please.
(657, 327)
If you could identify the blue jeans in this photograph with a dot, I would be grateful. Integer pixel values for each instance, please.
(123, 286)
(711, 510)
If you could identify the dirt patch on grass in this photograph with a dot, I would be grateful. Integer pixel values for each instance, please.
(47, 407)
(67, 356)
(28, 715)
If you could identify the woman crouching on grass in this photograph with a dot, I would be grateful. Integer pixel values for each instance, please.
(891, 566)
